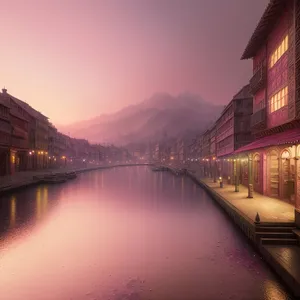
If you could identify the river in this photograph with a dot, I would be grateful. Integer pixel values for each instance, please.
(126, 234)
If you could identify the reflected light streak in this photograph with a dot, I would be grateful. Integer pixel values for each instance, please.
(272, 292)
(13, 206)
(182, 188)
(38, 203)
(45, 200)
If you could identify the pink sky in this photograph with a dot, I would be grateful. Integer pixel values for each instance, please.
(76, 59)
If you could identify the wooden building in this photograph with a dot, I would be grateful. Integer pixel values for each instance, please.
(233, 129)
(274, 48)
(5, 136)
(19, 146)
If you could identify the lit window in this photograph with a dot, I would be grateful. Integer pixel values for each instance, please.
(281, 49)
(279, 100)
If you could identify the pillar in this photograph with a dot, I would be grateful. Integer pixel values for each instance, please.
(297, 192)
(250, 176)
(215, 170)
(236, 175)
(297, 183)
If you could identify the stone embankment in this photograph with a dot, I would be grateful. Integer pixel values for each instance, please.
(274, 235)
(27, 178)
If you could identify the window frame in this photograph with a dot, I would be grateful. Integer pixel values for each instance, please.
(278, 100)
(279, 51)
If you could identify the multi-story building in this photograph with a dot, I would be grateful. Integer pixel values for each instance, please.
(156, 152)
(181, 151)
(275, 51)
(19, 145)
(38, 135)
(233, 126)
(206, 155)
(5, 136)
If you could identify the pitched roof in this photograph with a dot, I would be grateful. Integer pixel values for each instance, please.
(270, 16)
(34, 113)
(4, 101)
(31, 111)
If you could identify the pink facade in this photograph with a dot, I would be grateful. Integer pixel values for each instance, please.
(259, 59)
(277, 75)
(259, 100)
(225, 132)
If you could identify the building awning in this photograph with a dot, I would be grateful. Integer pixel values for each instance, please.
(291, 136)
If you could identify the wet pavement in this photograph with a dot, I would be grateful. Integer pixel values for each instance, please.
(126, 234)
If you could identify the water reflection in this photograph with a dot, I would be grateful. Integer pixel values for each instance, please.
(13, 205)
(272, 292)
(141, 235)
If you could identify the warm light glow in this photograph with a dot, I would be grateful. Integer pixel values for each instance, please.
(63, 157)
(281, 49)
(38, 203)
(285, 155)
(13, 205)
(39, 152)
(42, 152)
(30, 153)
(13, 158)
(279, 100)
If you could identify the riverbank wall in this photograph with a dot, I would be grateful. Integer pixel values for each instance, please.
(248, 226)
(17, 182)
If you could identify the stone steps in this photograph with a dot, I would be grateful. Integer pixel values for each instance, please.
(279, 241)
(278, 235)
(275, 229)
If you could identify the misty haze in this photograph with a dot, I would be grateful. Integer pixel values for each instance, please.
(149, 150)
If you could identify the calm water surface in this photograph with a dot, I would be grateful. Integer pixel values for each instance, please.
(126, 234)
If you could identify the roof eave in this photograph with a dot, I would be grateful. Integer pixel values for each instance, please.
(274, 7)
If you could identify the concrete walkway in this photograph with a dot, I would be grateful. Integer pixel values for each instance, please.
(269, 209)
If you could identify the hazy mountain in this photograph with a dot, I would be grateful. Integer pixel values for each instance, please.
(158, 117)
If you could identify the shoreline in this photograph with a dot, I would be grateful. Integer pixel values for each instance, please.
(31, 181)
(269, 253)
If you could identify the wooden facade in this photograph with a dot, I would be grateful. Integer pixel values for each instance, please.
(233, 126)
(275, 50)
(5, 136)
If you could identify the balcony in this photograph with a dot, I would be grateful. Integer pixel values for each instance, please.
(19, 143)
(259, 120)
(259, 79)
